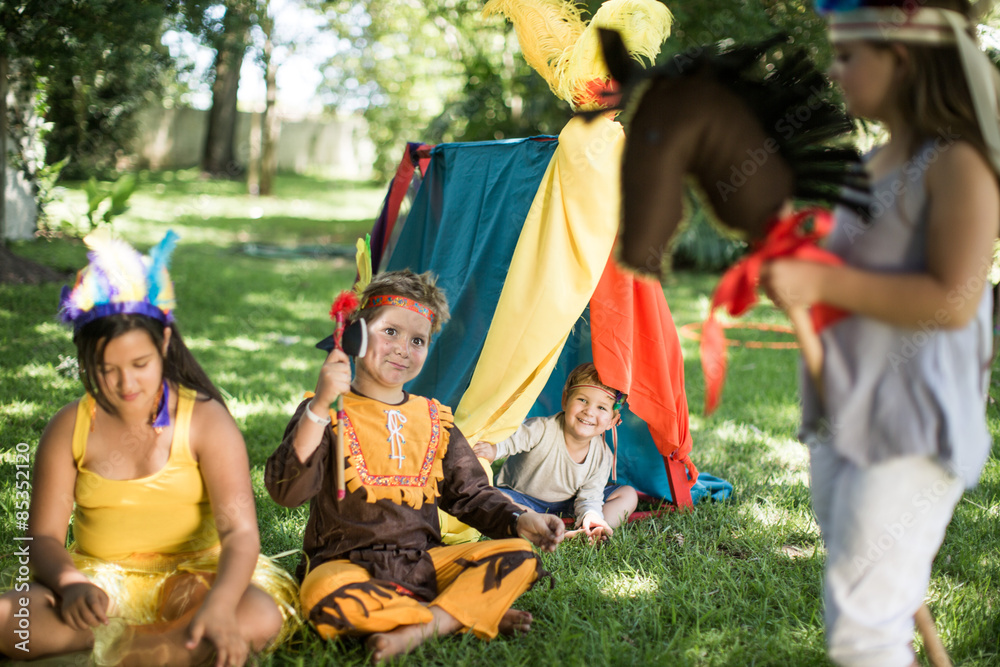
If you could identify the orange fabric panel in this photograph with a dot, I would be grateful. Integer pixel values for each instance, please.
(636, 349)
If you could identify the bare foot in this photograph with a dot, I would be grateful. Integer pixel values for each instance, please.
(515, 622)
(405, 638)
(385, 645)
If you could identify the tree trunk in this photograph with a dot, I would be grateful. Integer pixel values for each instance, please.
(253, 160)
(3, 150)
(270, 124)
(219, 158)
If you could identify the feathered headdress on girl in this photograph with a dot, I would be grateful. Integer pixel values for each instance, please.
(565, 49)
(118, 280)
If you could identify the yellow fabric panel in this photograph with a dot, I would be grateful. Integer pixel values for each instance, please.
(560, 256)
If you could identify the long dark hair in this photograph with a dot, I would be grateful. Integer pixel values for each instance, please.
(179, 365)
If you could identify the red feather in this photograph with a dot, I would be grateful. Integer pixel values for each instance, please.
(346, 302)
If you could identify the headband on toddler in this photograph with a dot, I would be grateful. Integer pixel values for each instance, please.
(619, 399)
(617, 396)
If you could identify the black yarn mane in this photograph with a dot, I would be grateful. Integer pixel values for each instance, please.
(789, 101)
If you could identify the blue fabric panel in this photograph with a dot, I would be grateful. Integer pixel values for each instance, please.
(640, 464)
(464, 226)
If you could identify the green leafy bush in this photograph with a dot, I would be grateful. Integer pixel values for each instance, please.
(116, 196)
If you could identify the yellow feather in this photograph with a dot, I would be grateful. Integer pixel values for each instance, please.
(566, 51)
(643, 24)
(545, 30)
(167, 301)
(364, 260)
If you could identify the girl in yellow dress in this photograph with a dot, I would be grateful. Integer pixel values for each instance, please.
(164, 566)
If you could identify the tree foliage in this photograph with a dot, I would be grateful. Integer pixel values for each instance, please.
(703, 23)
(432, 70)
(96, 64)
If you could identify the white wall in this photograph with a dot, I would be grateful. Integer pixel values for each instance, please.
(334, 148)
(173, 139)
(20, 211)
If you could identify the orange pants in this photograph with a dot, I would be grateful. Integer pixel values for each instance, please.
(342, 598)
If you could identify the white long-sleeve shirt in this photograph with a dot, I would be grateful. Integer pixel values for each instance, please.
(539, 465)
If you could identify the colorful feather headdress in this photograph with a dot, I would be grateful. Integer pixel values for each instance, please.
(118, 280)
(566, 50)
(349, 301)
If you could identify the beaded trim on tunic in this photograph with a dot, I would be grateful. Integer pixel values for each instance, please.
(412, 490)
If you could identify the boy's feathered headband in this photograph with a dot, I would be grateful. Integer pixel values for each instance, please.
(118, 280)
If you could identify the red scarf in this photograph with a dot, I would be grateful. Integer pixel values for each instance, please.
(737, 290)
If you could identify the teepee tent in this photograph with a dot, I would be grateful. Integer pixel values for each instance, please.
(520, 234)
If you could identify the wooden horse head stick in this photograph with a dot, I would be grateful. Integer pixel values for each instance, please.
(751, 140)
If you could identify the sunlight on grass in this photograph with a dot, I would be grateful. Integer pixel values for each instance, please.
(768, 514)
(245, 344)
(39, 371)
(241, 408)
(52, 329)
(793, 456)
(19, 409)
(196, 344)
(702, 304)
(292, 364)
(779, 413)
(624, 585)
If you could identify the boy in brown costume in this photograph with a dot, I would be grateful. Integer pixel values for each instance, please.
(374, 561)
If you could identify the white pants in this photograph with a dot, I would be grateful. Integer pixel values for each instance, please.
(882, 526)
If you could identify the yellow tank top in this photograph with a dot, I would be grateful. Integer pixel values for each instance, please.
(167, 512)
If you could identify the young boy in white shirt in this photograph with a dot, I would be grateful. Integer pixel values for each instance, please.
(561, 464)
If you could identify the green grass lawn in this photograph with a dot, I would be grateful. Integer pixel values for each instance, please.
(734, 583)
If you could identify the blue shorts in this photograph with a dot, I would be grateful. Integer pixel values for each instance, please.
(561, 507)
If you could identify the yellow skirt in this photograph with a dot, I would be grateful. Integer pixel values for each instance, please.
(136, 586)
